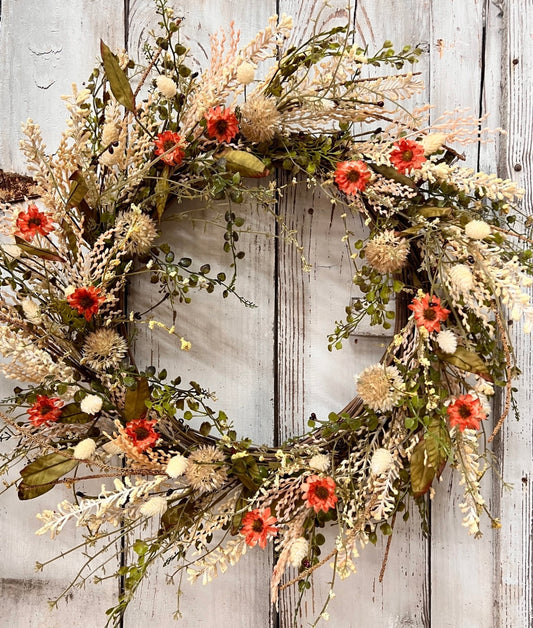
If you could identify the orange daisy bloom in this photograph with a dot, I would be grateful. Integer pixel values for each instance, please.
(33, 222)
(466, 412)
(167, 141)
(86, 300)
(45, 410)
(319, 493)
(257, 527)
(407, 155)
(352, 176)
(142, 433)
(221, 124)
(428, 312)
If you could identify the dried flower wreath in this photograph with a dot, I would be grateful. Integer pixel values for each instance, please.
(444, 249)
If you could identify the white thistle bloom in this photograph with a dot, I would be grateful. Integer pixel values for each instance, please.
(320, 462)
(381, 461)
(298, 551)
(380, 387)
(32, 311)
(245, 73)
(176, 466)
(461, 277)
(91, 404)
(166, 86)
(433, 142)
(154, 507)
(84, 449)
(447, 341)
(477, 229)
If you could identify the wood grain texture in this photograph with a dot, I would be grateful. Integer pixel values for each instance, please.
(513, 550)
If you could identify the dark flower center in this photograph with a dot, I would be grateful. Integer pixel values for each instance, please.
(221, 126)
(353, 176)
(257, 525)
(86, 301)
(168, 144)
(46, 408)
(141, 433)
(430, 314)
(321, 492)
(464, 411)
(407, 155)
(35, 220)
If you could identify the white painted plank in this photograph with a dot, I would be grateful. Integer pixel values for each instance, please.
(44, 47)
(514, 556)
(313, 380)
(232, 349)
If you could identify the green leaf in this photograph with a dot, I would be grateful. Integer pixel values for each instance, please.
(391, 173)
(40, 476)
(178, 516)
(135, 404)
(428, 211)
(78, 189)
(37, 251)
(72, 414)
(466, 361)
(428, 458)
(118, 81)
(244, 163)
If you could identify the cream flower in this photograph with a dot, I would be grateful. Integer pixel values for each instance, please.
(380, 387)
(110, 134)
(138, 230)
(259, 119)
(477, 229)
(461, 277)
(85, 449)
(166, 86)
(245, 73)
(381, 461)
(154, 507)
(91, 404)
(433, 142)
(176, 466)
(104, 349)
(206, 470)
(447, 341)
(112, 448)
(298, 551)
(32, 311)
(320, 462)
(387, 253)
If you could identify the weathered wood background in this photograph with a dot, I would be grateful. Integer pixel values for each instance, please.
(270, 367)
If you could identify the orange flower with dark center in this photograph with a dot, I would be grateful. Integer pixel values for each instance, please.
(86, 300)
(466, 412)
(221, 124)
(257, 527)
(45, 410)
(142, 433)
(319, 493)
(407, 155)
(428, 312)
(352, 176)
(33, 222)
(170, 141)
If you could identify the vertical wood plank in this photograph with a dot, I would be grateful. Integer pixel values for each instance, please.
(311, 379)
(44, 47)
(514, 556)
(232, 347)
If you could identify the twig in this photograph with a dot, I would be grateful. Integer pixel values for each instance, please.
(308, 572)
(387, 549)
(147, 72)
(508, 383)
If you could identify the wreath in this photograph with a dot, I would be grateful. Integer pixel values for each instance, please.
(443, 262)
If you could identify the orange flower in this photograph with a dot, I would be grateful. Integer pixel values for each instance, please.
(86, 300)
(319, 493)
(167, 141)
(257, 527)
(45, 410)
(221, 124)
(142, 433)
(352, 176)
(33, 222)
(407, 155)
(466, 412)
(428, 312)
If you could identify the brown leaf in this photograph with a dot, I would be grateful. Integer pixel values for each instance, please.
(118, 81)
